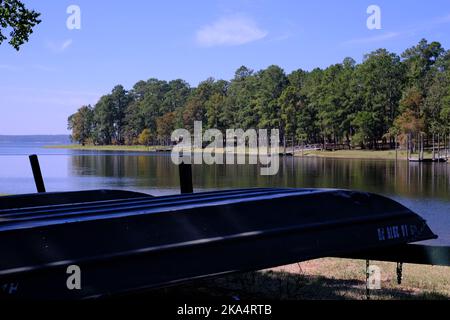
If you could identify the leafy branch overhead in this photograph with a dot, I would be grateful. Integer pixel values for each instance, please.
(16, 19)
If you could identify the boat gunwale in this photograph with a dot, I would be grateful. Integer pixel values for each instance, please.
(149, 198)
(107, 203)
(182, 204)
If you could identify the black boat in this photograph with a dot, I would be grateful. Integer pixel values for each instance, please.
(124, 242)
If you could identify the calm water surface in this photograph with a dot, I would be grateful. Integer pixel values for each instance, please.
(424, 188)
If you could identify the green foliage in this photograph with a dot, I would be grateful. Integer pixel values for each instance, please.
(82, 125)
(214, 111)
(289, 103)
(419, 61)
(18, 20)
(381, 81)
(239, 109)
(134, 123)
(270, 85)
(356, 104)
(104, 120)
(365, 123)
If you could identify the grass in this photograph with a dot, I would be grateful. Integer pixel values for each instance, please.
(340, 154)
(324, 279)
(359, 154)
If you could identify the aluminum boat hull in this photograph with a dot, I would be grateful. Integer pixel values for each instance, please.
(140, 242)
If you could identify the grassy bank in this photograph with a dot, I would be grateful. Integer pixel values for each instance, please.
(340, 154)
(330, 279)
(359, 154)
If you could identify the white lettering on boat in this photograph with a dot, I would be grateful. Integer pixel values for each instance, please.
(396, 232)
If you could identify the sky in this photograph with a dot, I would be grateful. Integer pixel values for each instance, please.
(122, 42)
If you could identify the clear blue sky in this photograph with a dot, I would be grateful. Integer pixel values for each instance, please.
(121, 42)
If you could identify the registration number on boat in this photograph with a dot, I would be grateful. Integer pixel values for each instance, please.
(396, 232)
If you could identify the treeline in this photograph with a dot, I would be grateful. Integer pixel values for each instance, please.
(385, 97)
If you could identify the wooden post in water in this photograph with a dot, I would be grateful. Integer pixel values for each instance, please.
(37, 174)
(186, 185)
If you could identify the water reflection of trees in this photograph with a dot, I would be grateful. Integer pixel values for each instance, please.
(403, 179)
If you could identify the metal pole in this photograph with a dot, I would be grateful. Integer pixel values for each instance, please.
(367, 280)
(186, 178)
(37, 174)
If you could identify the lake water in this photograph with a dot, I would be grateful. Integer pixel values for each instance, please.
(424, 188)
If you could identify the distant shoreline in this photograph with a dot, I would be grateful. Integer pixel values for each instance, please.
(340, 154)
(109, 148)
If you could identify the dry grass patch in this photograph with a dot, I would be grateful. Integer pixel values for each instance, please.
(323, 279)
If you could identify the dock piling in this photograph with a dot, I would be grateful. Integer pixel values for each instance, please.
(37, 174)
(186, 185)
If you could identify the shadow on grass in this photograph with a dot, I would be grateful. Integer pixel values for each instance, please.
(272, 285)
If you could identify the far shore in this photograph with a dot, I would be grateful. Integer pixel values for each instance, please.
(339, 154)
(108, 148)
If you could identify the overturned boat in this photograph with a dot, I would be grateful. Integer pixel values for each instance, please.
(125, 241)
